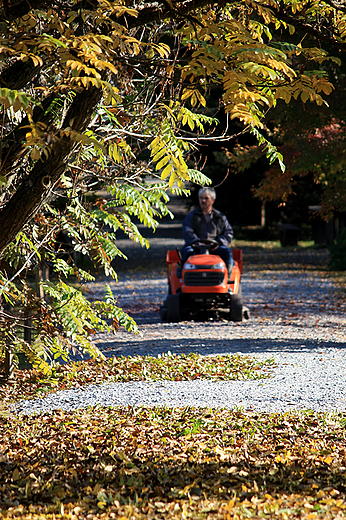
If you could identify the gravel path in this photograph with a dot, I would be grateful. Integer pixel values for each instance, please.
(297, 318)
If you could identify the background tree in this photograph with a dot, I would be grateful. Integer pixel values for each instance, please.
(110, 98)
(313, 144)
(310, 137)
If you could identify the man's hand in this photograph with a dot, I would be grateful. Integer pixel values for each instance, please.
(215, 245)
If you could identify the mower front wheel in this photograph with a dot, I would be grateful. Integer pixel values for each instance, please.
(236, 308)
(173, 308)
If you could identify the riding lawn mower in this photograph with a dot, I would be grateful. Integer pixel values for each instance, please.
(202, 287)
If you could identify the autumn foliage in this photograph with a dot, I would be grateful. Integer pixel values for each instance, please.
(103, 108)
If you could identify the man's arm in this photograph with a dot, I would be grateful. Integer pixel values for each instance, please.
(189, 234)
(226, 236)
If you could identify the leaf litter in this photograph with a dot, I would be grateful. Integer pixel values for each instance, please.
(162, 463)
(158, 463)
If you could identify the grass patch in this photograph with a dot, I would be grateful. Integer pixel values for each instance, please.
(162, 463)
(30, 384)
(274, 244)
(260, 244)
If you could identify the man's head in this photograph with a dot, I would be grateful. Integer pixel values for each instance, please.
(206, 199)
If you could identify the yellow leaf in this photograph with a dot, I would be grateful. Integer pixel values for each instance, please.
(283, 93)
(35, 154)
(15, 475)
(159, 154)
(36, 59)
(172, 179)
(136, 48)
(163, 50)
(150, 54)
(154, 142)
(329, 501)
(305, 96)
(123, 456)
(113, 152)
(156, 149)
(162, 163)
(111, 67)
(193, 99)
(71, 18)
(186, 94)
(165, 173)
(201, 98)
(230, 505)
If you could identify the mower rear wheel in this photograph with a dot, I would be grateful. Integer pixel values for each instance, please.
(173, 308)
(163, 313)
(236, 308)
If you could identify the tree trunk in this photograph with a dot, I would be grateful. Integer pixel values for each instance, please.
(36, 186)
(13, 141)
(18, 74)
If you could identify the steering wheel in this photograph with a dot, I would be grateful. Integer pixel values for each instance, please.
(206, 243)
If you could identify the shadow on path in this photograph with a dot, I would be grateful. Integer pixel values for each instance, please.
(212, 346)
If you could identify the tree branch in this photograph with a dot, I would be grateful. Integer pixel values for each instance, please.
(318, 33)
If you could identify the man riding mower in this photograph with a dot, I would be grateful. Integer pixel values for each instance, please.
(204, 278)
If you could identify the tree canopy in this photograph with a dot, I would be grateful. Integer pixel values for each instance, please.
(103, 107)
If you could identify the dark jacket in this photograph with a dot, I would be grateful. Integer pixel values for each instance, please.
(215, 226)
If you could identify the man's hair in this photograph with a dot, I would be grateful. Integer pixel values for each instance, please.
(209, 191)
